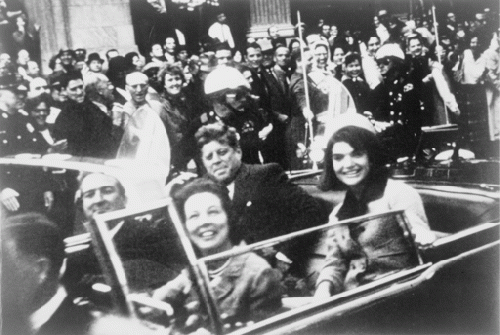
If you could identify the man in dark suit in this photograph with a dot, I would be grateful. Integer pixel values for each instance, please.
(265, 203)
(88, 130)
(33, 299)
(277, 81)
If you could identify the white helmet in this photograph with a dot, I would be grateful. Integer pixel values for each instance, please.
(390, 50)
(225, 77)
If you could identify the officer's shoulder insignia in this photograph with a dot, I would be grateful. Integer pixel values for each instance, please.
(408, 87)
(22, 112)
(30, 127)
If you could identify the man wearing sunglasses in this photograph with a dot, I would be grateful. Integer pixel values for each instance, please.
(229, 92)
(397, 105)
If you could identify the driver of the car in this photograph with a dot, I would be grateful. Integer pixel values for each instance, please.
(101, 193)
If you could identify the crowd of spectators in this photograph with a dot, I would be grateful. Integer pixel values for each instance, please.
(226, 113)
(404, 75)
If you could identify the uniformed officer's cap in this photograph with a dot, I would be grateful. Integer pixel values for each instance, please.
(390, 50)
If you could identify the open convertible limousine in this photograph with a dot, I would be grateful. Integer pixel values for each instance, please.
(451, 286)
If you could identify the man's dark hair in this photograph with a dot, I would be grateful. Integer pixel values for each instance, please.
(71, 52)
(180, 48)
(253, 45)
(368, 38)
(351, 57)
(217, 132)
(32, 104)
(67, 77)
(35, 235)
(222, 46)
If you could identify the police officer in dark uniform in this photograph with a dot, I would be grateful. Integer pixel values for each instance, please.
(229, 92)
(22, 189)
(397, 104)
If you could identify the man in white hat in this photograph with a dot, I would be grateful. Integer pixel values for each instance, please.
(397, 104)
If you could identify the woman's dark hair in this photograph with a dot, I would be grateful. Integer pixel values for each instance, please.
(128, 59)
(203, 185)
(32, 103)
(173, 70)
(359, 139)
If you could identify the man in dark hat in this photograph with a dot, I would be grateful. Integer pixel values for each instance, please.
(94, 62)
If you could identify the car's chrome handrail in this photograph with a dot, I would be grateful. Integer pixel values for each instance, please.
(276, 240)
(297, 323)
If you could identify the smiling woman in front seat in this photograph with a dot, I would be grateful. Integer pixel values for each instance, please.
(245, 287)
(358, 253)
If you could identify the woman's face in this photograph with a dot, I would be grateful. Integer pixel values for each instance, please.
(338, 56)
(295, 46)
(321, 55)
(173, 84)
(350, 166)
(138, 63)
(206, 222)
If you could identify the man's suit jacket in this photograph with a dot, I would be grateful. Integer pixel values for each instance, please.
(267, 205)
(88, 130)
(280, 99)
(69, 319)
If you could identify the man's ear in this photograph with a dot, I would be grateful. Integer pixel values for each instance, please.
(42, 269)
(239, 152)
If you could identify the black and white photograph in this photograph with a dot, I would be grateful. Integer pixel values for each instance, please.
(249, 167)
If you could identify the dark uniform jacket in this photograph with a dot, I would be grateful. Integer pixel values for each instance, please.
(360, 92)
(398, 103)
(88, 130)
(18, 135)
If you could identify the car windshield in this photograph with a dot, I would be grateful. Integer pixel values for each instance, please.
(246, 283)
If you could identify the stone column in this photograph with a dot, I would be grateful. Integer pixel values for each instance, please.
(96, 25)
(264, 13)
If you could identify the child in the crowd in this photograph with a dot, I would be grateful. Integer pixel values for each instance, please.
(357, 86)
